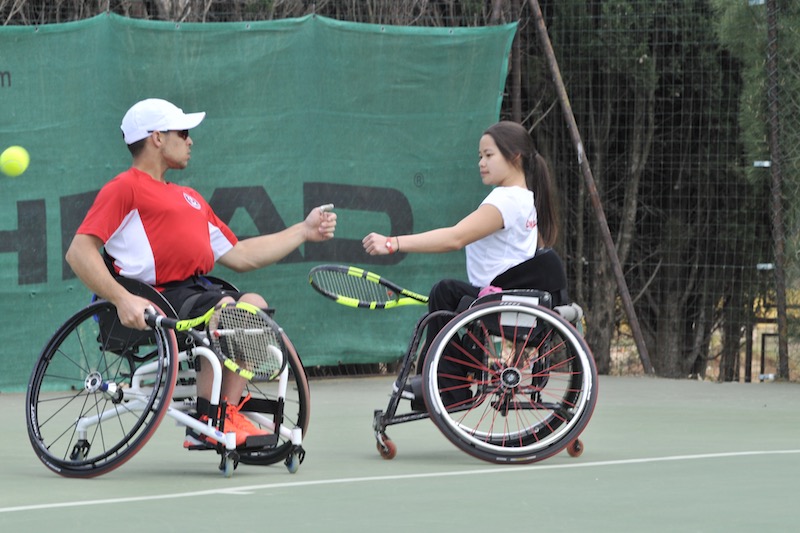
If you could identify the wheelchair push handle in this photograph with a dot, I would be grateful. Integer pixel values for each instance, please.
(572, 313)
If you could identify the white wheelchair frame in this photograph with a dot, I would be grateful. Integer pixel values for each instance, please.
(102, 384)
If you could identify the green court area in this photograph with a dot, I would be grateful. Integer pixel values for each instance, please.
(660, 455)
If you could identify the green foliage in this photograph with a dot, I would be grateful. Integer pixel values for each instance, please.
(743, 30)
(656, 97)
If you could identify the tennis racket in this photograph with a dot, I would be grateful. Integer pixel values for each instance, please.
(355, 287)
(246, 340)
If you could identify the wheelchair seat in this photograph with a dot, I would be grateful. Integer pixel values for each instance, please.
(528, 296)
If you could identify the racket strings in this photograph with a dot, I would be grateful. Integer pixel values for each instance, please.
(343, 284)
(247, 339)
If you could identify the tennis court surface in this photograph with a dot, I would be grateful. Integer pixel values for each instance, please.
(661, 455)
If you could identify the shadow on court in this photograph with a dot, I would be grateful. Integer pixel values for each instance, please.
(661, 455)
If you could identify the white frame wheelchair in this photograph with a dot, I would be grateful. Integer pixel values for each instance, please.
(99, 390)
(508, 380)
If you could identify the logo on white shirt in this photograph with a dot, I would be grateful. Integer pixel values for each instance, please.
(191, 201)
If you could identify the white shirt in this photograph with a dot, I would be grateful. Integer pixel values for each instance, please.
(509, 246)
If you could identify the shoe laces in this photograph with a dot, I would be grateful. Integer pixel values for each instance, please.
(237, 419)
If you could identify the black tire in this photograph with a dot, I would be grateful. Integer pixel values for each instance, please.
(510, 382)
(95, 368)
(296, 407)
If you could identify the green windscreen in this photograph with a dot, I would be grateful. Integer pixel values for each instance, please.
(382, 121)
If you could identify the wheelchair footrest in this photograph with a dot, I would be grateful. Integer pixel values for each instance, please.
(195, 441)
(261, 442)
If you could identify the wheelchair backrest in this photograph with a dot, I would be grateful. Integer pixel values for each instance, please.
(116, 338)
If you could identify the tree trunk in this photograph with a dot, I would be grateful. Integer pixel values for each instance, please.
(731, 341)
(668, 360)
(602, 318)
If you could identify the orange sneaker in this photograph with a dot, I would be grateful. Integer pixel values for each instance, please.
(244, 428)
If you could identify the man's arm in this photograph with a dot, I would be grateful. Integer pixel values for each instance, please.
(258, 252)
(85, 260)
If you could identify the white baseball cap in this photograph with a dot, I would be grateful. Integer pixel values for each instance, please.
(155, 114)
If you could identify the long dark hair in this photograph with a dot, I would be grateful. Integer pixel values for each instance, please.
(517, 147)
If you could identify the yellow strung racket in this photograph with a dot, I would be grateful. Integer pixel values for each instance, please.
(354, 287)
(246, 340)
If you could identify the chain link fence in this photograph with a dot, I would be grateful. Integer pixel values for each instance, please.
(688, 113)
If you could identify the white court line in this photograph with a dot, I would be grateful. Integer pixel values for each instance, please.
(509, 469)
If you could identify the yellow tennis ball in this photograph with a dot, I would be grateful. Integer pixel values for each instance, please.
(14, 160)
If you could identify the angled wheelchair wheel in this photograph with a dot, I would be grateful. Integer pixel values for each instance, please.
(98, 392)
(510, 383)
(293, 407)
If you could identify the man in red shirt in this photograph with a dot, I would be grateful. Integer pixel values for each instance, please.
(167, 235)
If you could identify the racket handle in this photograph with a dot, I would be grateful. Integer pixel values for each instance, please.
(160, 321)
(150, 318)
(155, 320)
(326, 207)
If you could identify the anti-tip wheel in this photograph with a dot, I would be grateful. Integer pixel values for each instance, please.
(575, 448)
(388, 449)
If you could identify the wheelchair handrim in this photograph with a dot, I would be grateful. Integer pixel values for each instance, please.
(502, 444)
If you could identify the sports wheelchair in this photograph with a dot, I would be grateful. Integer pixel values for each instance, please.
(99, 390)
(509, 379)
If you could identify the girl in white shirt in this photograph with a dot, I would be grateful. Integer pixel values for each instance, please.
(517, 218)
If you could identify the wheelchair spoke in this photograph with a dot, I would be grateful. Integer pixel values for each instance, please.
(83, 416)
(509, 382)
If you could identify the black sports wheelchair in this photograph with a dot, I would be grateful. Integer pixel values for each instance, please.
(509, 379)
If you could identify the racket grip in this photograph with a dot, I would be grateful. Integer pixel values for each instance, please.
(155, 320)
(150, 318)
(326, 207)
(160, 321)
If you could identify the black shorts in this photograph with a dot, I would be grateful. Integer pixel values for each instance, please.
(195, 296)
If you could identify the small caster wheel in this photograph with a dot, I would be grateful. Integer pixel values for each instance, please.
(292, 463)
(575, 448)
(228, 467)
(388, 449)
(229, 463)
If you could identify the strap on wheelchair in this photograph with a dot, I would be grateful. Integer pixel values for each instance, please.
(188, 304)
(214, 412)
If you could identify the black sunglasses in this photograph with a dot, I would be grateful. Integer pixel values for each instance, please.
(183, 134)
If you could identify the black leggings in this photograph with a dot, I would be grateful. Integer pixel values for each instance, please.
(447, 295)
